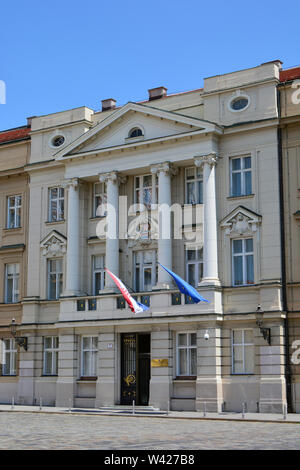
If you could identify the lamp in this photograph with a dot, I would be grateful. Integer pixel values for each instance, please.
(266, 332)
(22, 341)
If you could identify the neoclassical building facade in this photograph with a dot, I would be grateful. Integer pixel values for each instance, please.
(101, 186)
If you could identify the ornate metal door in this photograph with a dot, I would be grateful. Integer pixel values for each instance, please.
(128, 368)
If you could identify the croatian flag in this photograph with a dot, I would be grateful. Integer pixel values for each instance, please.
(135, 307)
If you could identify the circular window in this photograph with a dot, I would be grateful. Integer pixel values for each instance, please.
(57, 141)
(239, 103)
(136, 132)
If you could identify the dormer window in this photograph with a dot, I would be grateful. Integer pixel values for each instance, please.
(135, 132)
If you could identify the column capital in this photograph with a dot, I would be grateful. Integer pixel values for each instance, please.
(166, 167)
(112, 176)
(211, 159)
(71, 182)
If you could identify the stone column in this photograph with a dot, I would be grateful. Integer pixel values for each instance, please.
(73, 234)
(112, 180)
(165, 171)
(67, 369)
(210, 246)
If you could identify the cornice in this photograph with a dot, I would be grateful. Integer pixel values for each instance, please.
(15, 141)
(134, 145)
(36, 166)
(13, 172)
(250, 125)
(244, 85)
(59, 126)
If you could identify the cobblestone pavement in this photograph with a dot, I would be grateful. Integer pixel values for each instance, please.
(42, 431)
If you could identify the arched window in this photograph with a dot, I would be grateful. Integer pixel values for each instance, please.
(135, 132)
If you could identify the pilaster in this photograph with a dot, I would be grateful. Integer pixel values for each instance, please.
(67, 369)
(161, 377)
(105, 387)
(209, 389)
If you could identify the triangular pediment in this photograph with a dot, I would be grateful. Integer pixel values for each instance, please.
(114, 131)
(54, 244)
(241, 221)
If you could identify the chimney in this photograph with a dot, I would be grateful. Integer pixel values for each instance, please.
(108, 104)
(157, 93)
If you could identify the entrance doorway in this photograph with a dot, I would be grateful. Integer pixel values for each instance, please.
(135, 368)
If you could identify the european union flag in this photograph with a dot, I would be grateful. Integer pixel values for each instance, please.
(185, 288)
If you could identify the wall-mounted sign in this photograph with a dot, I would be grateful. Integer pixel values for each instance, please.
(159, 363)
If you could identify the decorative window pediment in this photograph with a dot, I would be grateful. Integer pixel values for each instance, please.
(241, 221)
(54, 245)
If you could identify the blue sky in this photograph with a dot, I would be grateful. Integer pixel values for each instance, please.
(57, 55)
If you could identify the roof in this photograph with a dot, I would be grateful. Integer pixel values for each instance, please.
(289, 74)
(12, 135)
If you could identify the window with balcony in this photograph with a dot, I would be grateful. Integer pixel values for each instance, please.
(99, 200)
(145, 270)
(14, 204)
(241, 176)
(12, 275)
(98, 273)
(56, 204)
(194, 265)
(144, 187)
(193, 186)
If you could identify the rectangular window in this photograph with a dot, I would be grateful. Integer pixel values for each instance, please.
(186, 354)
(194, 266)
(193, 186)
(242, 352)
(242, 262)
(98, 273)
(14, 204)
(50, 355)
(55, 278)
(99, 200)
(144, 188)
(9, 357)
(89, 356)
(145, 270)
(56, 204)
(241, 176)
(12, 274)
